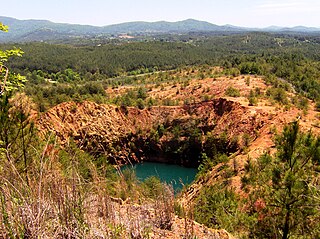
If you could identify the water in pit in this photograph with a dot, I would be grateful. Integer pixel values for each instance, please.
(175, 175)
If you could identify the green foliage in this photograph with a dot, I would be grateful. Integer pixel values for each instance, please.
(284, 187)
(72, 158)
(295, 62)
(232, 92)
(246, 140)
(247, 80)
(283, 193)
(252, 98)
(169, 102)
(3, 28)
(51, 94)
(152, 187)
(142, 93)
(278, 94)
(253, 101)
(318, 106)
(16, 131)
(301, 102)
(218, 207)
(208, 163)
(134, 97)
(9, 82)
(140, 104)
(249, 68)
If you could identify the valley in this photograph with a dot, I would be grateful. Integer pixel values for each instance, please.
(240, 110)
(184, 133)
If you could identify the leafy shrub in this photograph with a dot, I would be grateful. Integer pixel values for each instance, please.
(217, 207)
(278, 94)
(232, 92)
(140, 103)
(252, 98)
(152, 187)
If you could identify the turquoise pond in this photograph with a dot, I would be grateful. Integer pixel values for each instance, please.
(175, 175)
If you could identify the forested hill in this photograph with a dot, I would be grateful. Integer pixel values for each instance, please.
(43, 30)
(37, 30)
(294, 59)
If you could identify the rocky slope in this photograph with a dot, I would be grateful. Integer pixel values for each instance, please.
(121, 133)
(126, 134)
(108, 130)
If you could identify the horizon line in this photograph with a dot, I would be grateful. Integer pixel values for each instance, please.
(157, 21)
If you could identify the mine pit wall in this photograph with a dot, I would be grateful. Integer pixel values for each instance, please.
(126, 135)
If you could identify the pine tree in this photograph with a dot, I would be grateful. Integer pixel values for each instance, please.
(285, 185)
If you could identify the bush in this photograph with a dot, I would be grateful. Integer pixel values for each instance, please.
(232, 92)
(318, 106)
(217, 207)
(253, 101)
(140, 103)
(152, 187)
(252, 98)
(278, 94)
(208, 163)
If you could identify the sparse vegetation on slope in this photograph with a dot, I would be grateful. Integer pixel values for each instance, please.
(59, 167)
(280, 199)
(55, 192)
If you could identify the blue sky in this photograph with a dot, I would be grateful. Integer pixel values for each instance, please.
(248, 13)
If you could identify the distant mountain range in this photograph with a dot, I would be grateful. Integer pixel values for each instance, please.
(43, 30)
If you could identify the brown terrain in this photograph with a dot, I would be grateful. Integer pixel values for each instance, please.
(144, 220)
(105, 128)
(99, 126)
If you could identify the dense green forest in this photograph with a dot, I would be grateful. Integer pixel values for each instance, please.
(281, 59)
(116, 58)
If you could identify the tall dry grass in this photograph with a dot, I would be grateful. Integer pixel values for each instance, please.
(47, 191)
(49, 201)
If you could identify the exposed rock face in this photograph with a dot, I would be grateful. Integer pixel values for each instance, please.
(109, 130)
(123, 134)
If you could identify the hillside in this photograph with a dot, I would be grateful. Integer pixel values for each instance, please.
(108, 124)
(236, 128)
(214, 123)
(43, 30)
(242, 109)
